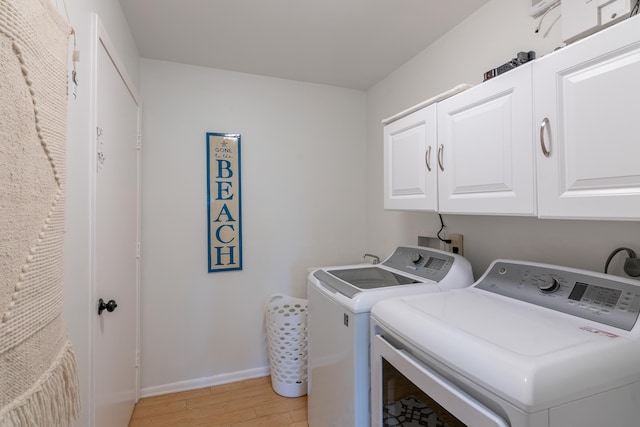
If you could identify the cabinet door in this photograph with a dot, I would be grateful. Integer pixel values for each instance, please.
(587, 105)
(485, 145)
(410, 176)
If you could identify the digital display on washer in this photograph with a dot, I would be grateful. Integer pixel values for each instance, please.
(435, 263)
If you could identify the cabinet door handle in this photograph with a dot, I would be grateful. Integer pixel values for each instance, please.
(441, 157)
(543, 126)
(427, 158)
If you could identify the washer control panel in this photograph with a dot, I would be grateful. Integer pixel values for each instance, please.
(602, 298)
(424, 262)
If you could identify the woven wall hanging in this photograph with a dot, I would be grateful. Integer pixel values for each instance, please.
(38, 373)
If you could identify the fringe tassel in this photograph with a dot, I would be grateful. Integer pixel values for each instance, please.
(54, 401)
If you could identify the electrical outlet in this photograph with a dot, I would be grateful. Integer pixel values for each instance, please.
(456, 244)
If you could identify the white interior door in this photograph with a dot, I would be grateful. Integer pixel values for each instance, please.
(117, 229)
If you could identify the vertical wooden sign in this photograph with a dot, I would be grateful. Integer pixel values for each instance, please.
(224, 208)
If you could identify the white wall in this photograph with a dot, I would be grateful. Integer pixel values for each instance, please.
(79, 306)
(490, 37)
(303, 205)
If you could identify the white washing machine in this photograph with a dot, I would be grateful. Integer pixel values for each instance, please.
(339, 302)
(528, 345)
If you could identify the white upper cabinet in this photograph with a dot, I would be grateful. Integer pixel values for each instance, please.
(485, 148)
(558, 138)
(587, 107)
(410, 177)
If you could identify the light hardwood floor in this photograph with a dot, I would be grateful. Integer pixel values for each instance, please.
(243, 404)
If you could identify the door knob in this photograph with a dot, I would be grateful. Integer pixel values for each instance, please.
(109, 306)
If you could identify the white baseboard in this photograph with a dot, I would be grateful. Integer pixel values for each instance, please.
(204, 382)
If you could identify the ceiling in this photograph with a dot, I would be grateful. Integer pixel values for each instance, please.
(346, 43)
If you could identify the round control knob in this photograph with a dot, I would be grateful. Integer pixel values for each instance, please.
(416, 258)
(547, 284)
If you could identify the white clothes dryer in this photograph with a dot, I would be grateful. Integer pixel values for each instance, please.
(528, 345)
(339, 302)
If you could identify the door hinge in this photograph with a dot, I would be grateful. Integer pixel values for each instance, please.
(139, 142)
(137, 359)
(99, 147)
(138, 250)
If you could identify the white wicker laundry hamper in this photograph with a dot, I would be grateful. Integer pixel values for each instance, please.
(286, 324)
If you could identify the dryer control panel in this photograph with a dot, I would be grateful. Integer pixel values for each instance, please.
(602, 298)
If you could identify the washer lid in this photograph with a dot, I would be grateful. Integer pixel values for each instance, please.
(533, 357)
(360, 279)
(408, 271)
(372, 277)
(407, 265)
